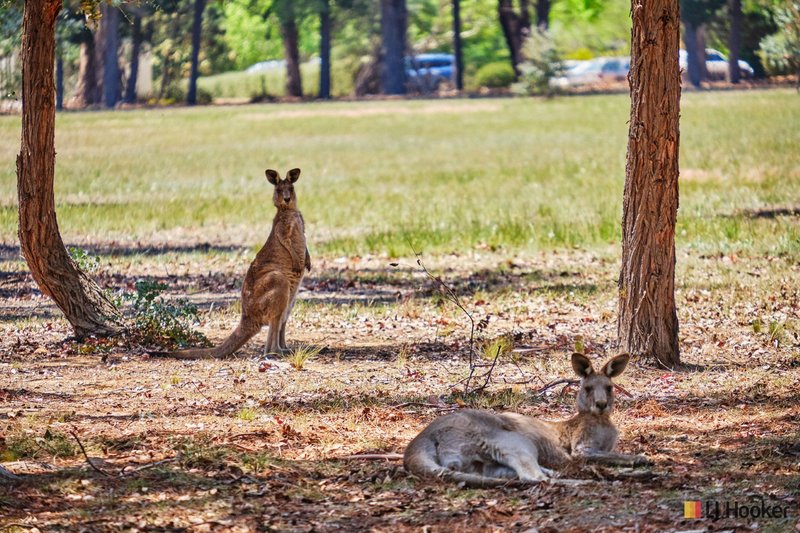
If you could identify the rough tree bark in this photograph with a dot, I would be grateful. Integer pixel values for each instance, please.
(648, 323)
(136, 47)
(734, 40)
(325, 50)
(83, 303)
(197, 28)
(457, 48)
(393, 34)
(291, 51)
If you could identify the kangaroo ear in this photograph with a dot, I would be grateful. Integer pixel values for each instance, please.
(615, 366)
(293, 175)
(272, 176)
(581, 365)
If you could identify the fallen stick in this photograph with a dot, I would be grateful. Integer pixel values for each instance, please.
(89, 461)
(370, 457)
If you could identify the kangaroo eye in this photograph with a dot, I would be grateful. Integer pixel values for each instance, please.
(608, 389)
(588, 390)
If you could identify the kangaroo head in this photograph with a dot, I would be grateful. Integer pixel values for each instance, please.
(284, 196)
(596, 394)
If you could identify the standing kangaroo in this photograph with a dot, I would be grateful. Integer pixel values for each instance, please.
(271, 283)
(485, 449)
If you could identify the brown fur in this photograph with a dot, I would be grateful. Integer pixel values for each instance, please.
(483, 449)
(271, 283)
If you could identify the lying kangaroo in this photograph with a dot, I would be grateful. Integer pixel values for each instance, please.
(485, 449)
(271, 283)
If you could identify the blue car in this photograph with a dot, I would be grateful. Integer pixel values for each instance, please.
(425, 72)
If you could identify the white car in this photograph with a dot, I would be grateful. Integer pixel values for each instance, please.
(594, 71)
(716, 64)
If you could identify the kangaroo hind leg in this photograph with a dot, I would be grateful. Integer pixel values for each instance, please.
(518, 453)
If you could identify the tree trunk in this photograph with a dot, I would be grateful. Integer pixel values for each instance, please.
(543, 14)
(106, 61)
(83, 303)
(648, 323)
(197, 28)
(457, 48)
(294, 83)
(87, 71)
(693, 64)
(59, 83)
(393, 34)
(734, 40)
(325, 50)
(516, 27)
(136, 47)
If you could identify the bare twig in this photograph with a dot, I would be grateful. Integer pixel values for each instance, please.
(370, 457)
(8, 475)
(562, 381)
(89, 461)
(148, 466)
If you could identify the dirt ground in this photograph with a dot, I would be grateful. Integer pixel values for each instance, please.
(254, 444)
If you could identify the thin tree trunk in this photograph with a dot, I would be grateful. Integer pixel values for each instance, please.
(734, 40)
(543, 14)
(693, 65)
(83, 303)
(325, 50)
(458, 51)
(294, 83)
(59, 83)
(136, 38)
(393, 34)
(648, 323)
(197, 28)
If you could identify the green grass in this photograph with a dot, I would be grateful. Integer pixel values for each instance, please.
(520, 174)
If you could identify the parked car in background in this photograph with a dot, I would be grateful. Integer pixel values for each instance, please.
(426, 72)
(595, 71)
(716, 64)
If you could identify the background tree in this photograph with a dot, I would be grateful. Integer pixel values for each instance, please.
(197, 28)
(648, 322)
(516, 27)
(325, 24)
(107, 56)
(83, 303)
(734, 40)
(458, 51)
(695, 14)
(394, 19)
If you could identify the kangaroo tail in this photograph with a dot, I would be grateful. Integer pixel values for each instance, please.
(419, 459)
(235, 340)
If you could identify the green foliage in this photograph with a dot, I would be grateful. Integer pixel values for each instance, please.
(495, 75)
(542, 64)
(85, 261)
(780, 52)
(157, 320)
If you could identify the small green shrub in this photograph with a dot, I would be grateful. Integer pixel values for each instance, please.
(204, 97)
(84, 260)
(495, 75)
(157, 320)
(542, 64)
